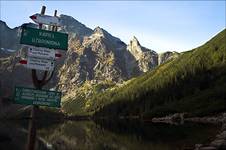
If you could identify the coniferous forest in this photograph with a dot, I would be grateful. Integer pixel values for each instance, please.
(194, 83)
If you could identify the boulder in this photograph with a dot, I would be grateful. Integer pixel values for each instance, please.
(208, 148)
(218, 143)
(223, 127)
(222, 135)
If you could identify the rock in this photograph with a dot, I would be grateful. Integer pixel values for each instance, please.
(9, 37)
(163, 57)
(212, 120)
(218, 142)
(208, 148)
(222, 135)
(172, 119)
(224, 118)
(147, 59)
(224, 115)
(176, 117)
(223, 127)
(197, 146)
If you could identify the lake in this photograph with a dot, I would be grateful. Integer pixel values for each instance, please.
(107, 135)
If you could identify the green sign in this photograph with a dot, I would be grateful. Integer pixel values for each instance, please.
(29, 96)
(44, 38)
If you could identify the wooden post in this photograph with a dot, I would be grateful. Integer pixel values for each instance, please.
(42, 13)
(55, 27)
(38, 85)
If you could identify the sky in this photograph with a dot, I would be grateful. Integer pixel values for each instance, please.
(158, 25)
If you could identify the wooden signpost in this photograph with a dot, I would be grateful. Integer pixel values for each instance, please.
(41, 56)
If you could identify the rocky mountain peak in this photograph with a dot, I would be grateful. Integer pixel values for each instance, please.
(71, 25)
(134, 41)
(101, 34)
(9, 38)
(168, 55)
(69, 18)
(99, 30)
(146, 58)
(2, 23)
(135, 48)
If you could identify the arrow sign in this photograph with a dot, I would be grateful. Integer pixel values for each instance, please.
(23, 62)
(44, 38)
(40, 64)
(41, 52)
(45, 19)
(57, 54)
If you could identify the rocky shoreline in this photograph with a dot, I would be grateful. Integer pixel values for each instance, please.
(219, 143)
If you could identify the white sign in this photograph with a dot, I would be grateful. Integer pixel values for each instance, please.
(40, 64)
(45, 19)
(41, 52)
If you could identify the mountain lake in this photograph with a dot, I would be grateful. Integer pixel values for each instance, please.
(106, 135)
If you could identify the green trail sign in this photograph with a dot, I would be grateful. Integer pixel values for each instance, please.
(29, 96)
(44, 38)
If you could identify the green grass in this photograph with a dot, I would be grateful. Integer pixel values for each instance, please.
(76, 105)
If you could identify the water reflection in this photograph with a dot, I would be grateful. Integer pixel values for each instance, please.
(125, 135)
(106, 135)
(13, 136)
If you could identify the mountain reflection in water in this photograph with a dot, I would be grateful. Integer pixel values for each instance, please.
(126, 135)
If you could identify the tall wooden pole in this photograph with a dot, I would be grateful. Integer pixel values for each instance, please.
(32, 121)
(55, 27)
(38, 84)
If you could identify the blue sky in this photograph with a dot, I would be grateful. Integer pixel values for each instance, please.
(161, 26)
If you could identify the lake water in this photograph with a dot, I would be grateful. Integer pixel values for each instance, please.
(111, 135)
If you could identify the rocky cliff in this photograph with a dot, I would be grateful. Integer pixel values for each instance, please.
(146, 59)
(9, 38)
(163, 57)
(97, 58)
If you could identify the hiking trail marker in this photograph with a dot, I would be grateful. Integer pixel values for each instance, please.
(29, 96)
(45, 19)
(40, 64)
(44, 38)
(40, 56)
(39, 52)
